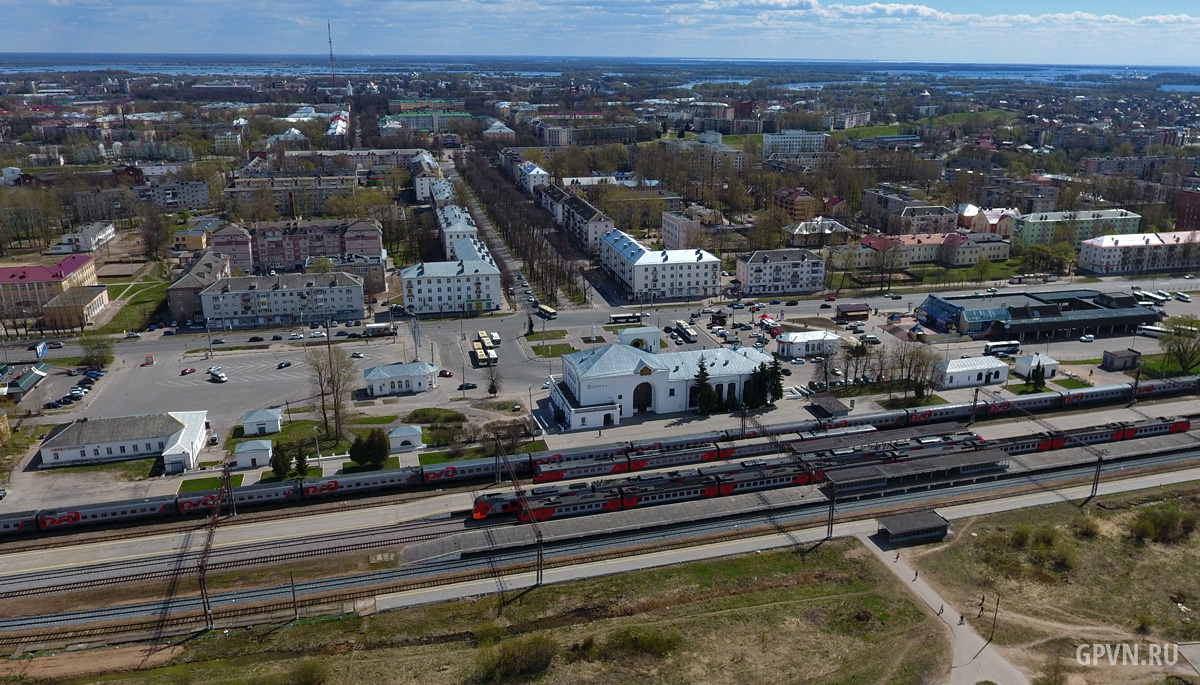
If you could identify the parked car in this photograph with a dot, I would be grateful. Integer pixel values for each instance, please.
(318, 334)
(356, 355)
(737, 305)
(168, 331)
(446, 373)
(776, 301)
(830, 298)
(818, 360)
(343, 334)
(545, 385)
(66, 399)
(255, 338)
(467, 386)
(133, 334)
(56, 345)
(354, 335)
(187, 372)
(1087, 338)
(798, 360)
(53, 404)
(357, 323)
(283, 365)
(295, 336)
(791, 303)
(73, 372)
(786, 371)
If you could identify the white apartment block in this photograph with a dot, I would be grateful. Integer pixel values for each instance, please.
(530, 176)
(583, 221)
(470, 284)
(454, 224)
(678, 230)
(1040, 229)
(772, 272)
(282, 300)
(86, 238)
(1141, 253)
(649, 274)
(793, 142)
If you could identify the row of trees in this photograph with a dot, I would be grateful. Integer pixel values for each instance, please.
(765, 386)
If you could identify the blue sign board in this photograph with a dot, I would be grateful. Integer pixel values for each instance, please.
(41, 349)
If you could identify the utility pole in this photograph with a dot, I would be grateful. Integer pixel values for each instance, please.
(974, 402)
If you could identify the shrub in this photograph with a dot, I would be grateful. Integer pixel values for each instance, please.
(515, 659)
(434, 415)
(1086, 526)
(1044, 536)
(1163, 524)
(641, 641)
(1020, 536)
(310, 672)
(1143, 622)
(488, 632)
(1064, 557)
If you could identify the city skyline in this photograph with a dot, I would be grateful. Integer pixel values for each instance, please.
(1102, 32)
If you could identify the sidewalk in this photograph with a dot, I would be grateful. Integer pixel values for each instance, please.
(974, 659)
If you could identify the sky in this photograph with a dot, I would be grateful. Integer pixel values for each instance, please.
(1108, 32)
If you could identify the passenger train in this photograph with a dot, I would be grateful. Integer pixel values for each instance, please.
(315, 489)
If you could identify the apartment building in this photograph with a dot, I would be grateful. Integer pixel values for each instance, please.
(1145, 167)
(530, 176)
(86, 238)
(372, 270)
(708, 151)
(174, 196)
(1076, 227)
(844, 120)
(74, 308)
(778, 272)
(183, 296)
(282, 300)
(582, 220)
(817, 233)
(928, 219)
(293, 195)
(24, 289)
(1141, 253)
(287, 245)
(998, 221)
(656, 274)
(678, 230)
(793, 142)
(1187, 211)
(879, 204)
(454, 224)
(469, 285)
(1027, 197)
(797, 203)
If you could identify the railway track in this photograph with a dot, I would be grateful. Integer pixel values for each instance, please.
(266, 604)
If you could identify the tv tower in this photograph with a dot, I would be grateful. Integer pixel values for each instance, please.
(329, 33)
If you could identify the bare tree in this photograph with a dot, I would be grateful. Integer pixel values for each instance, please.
(1182, 342)
(333, 377)
(493, 379)
(97, 350)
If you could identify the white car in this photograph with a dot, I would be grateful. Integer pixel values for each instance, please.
(295, 336)
(317, 334)
(214, 369)
(1087, 338)
(356, 355)
(545, 385)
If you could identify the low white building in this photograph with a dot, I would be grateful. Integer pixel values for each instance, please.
(778, 272)
(647, 274)
(253, 454)
(605, 384)
(808, 344)
(86, 238)
(405, 439)
(969, 373)
(400, 379)
(1025, 365)
(470, 284)
(262, 422)
(177, 437)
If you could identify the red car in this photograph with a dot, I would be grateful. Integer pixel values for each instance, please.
(446, 373)
(831, 298)
(186, 372)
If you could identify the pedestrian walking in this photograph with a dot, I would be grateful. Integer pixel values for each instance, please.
(980, 613)
(941, 609)
(897, 556)
(915, 574)
(982, 599)
(961, 618)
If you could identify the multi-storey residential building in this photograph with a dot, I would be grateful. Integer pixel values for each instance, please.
(103, 204)
(196, 237)
(921, 247)
(425, 172)
(650, 274)
(1187, 211)
(928, 219)
(967, 249)
(777, 272)
(582, 220)
(846, 119)
(797, 203)
(282, 300)
(793, 141)
(469, 285)
(284, 245)
(372, 270)
(708, 151)
(530, 176)
(86, 238)
(441, 193)
(1145, 167)
(1076, 227)
(173, 196)
(183, 296)
(454, 224)
(881, 203)
(1026, 196)
(227, 143)
(678, 230)
(293, 196)
(432, 121)
(817, 233)
(1141, 253)
(24, 289)
(998, 221)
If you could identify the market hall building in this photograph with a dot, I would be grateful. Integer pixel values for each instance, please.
(601, 386)
(1033, 317)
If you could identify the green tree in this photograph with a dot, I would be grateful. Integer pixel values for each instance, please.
(279, 462)
(322, 265)
(1181, 344)
(359, 452)
(378, 447)
(705, 397)
(301, 461)
(776, 380)
(1037, 377)
(983, 268)
(97, 350)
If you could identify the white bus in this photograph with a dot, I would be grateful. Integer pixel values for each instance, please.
(1157, 298)
(1151, 331)
(372, 330)
(492, 358)
(495, 339)
(1008, 346)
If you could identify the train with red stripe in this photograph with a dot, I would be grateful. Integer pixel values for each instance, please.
(503, 503)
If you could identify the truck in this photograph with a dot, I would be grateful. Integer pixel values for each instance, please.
(372, 330)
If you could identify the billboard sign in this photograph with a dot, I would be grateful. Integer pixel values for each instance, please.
(41, 349)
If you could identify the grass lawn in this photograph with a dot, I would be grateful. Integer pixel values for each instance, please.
(304, 409)
(351, 467)
(73, 362)
(819, 614)
(17, 445)
(136, 313)
(911, 402)
(434, 415)
(614, 329)
(115, 291)
(662, 344)
(314, 471)
(383, 420)
(212, 483)
(480, 453)
(1024, 389)
(1070, 383)
(296, 430)
(866, 132)
(1076, 564)
(1157, 366)
(134, 469)
(538, 336)
(556, 350)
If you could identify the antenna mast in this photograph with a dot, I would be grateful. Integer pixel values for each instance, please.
(329, 33)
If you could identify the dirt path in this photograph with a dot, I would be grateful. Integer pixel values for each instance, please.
(75, 664)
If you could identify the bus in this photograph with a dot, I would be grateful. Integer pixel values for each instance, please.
(482, 337)
(372, 330)
(492, 358)
(481, 356)
(546, 312)
(487, 343)
(1154, 297)
(495, 339)
(624, 318)
(685, 331)
(1009, 346)
(1151, 331)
